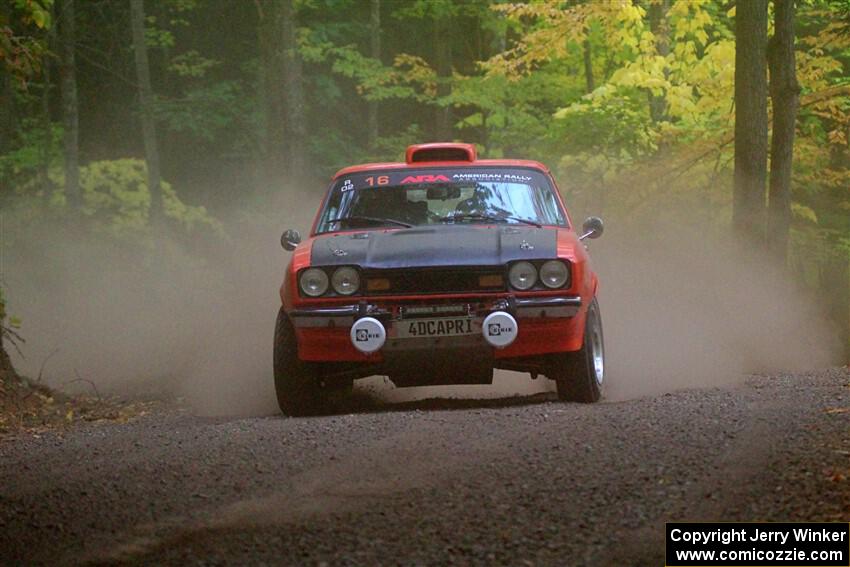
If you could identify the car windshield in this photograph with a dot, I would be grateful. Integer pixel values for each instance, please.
(396, 199)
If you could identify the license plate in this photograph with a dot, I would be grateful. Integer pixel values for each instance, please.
(442, 327)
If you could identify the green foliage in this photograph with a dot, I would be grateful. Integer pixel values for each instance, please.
(374, 80)
(35, 12)
(22, 37)
(157, 38)
(206, 112)
(116, 198)
(418, 9)
(518, 88)
(22, 163)
(192, 64)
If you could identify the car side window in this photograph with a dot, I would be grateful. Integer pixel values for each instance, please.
(550, 207)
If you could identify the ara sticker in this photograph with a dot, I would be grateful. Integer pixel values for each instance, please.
(347, 185)
(424, 179)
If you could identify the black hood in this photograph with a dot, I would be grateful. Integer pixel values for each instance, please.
(439, 245)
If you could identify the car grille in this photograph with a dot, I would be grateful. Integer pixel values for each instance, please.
(435, 280)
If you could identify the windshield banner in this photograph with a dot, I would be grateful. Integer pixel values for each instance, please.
(365, 180)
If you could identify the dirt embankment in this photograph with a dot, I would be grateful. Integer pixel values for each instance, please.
(27, 406)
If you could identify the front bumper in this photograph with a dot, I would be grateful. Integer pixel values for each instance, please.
(545, 324)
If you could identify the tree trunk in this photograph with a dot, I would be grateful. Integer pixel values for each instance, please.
(143, 76)
(443, 56)
(835, 290)
(375, 52)
(784, 92)
(47, 139)
(7, 110)
(748, 202)
(270, 92)
(5, 364)
(8, 123)
(293, 88)
(588, 66)
(46, 122)
(660, 29)
(70, 108)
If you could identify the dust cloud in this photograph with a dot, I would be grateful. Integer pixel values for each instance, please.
(196, 323)
(681, 309)
(686, 307)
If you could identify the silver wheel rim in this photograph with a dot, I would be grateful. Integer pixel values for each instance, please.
(597, 351)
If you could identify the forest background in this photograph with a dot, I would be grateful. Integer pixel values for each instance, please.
(152, 151)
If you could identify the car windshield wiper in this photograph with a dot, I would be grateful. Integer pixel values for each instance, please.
(491, 218)
(371, 220)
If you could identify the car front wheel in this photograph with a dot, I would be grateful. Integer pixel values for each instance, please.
(579, 375)
(295, 381)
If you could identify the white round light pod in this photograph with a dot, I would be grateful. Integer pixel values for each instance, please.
(368, 335)
(499, 329)
(346, 280)
(313, 282)
(554, 274)
(522, 275)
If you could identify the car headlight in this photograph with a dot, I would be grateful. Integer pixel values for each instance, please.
(346, 280)
(313, 282)
(523, 275)
(554, 274)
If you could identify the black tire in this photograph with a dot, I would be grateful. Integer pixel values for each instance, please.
(579, 375)
(295, 382)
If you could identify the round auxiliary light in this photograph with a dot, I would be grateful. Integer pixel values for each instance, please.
(523, 275)
(346, 280)
(313, 282)
(368, 335)
(499, 329)
(554, 274)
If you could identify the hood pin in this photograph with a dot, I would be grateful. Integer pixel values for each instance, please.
(336, 250)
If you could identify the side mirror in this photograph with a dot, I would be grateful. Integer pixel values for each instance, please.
(290, 239)
(592, 228)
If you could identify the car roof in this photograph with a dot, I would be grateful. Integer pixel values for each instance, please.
(442, 164)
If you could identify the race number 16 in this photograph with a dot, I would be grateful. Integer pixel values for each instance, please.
(380, 180)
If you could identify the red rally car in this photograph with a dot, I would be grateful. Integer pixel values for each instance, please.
(436, 271)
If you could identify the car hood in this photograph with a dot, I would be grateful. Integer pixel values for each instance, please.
(443, 245)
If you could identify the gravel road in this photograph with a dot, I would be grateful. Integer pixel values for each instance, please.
(508, 482)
